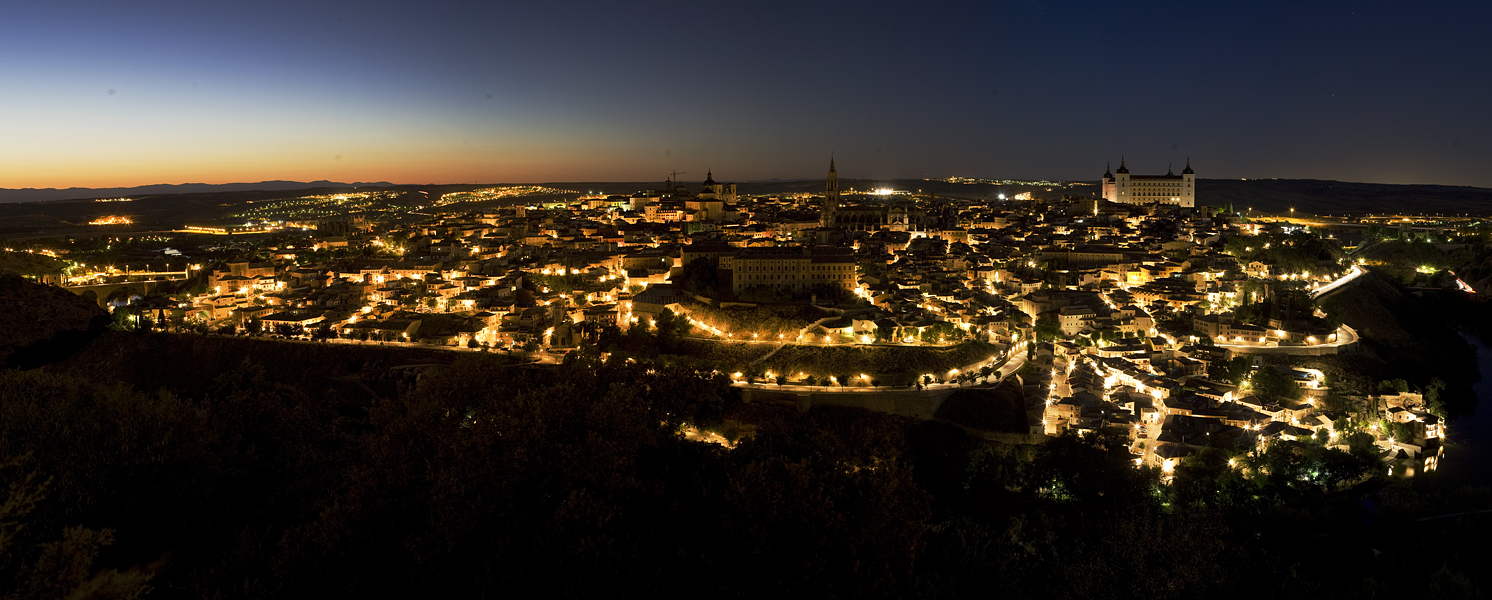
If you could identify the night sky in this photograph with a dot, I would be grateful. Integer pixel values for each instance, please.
(130, 93)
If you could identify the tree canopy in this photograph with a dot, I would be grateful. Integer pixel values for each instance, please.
(476, 476)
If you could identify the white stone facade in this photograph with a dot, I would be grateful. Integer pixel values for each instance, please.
(1123, 187)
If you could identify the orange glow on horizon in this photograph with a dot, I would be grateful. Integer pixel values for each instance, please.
(127, 176)
(109, 169)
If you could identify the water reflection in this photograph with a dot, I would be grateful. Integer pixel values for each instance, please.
(1467, 457)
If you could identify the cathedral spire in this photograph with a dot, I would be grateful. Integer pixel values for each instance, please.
(831, 197)
(832, 184)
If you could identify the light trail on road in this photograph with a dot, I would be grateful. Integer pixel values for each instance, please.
(1356, 272)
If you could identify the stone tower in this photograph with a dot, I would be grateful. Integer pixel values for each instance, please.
(831, 197)
(1189, 183)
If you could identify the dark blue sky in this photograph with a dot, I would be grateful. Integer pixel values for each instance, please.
(102, 94)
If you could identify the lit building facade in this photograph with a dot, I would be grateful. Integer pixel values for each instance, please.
(791, 268)
(1180, 190)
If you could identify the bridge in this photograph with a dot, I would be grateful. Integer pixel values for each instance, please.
(102, 291)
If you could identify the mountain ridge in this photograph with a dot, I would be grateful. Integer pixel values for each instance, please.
(10, 195)
(1318, 196)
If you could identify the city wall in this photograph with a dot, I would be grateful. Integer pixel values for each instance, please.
(1013, 439)
(1323, 350)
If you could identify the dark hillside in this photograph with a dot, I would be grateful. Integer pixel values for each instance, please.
(1001, 409)
(30, 264)
(41, 323)
(190, 364)
(1473, 264)
(1404, 336)
(1374, 305)
(579, 480)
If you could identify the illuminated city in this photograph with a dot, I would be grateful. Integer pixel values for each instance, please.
(823, 300)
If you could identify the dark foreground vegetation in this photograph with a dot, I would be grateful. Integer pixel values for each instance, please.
(483, 480)
(187, 466)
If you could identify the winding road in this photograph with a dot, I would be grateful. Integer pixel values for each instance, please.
(1016, 361)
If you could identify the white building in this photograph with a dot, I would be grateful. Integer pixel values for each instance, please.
(1180, 190)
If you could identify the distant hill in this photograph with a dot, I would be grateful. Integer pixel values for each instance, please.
(45, 194)
(1317, 196)
(1310, 196)
(151, 212)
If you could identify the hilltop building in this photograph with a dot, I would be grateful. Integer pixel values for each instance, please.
(1122, 187)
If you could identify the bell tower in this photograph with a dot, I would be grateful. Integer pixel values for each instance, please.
(831, 197)
(1188, 185)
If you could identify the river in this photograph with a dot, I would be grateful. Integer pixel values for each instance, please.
(1468, 448)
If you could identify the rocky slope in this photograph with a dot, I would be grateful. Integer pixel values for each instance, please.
(41, 323)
